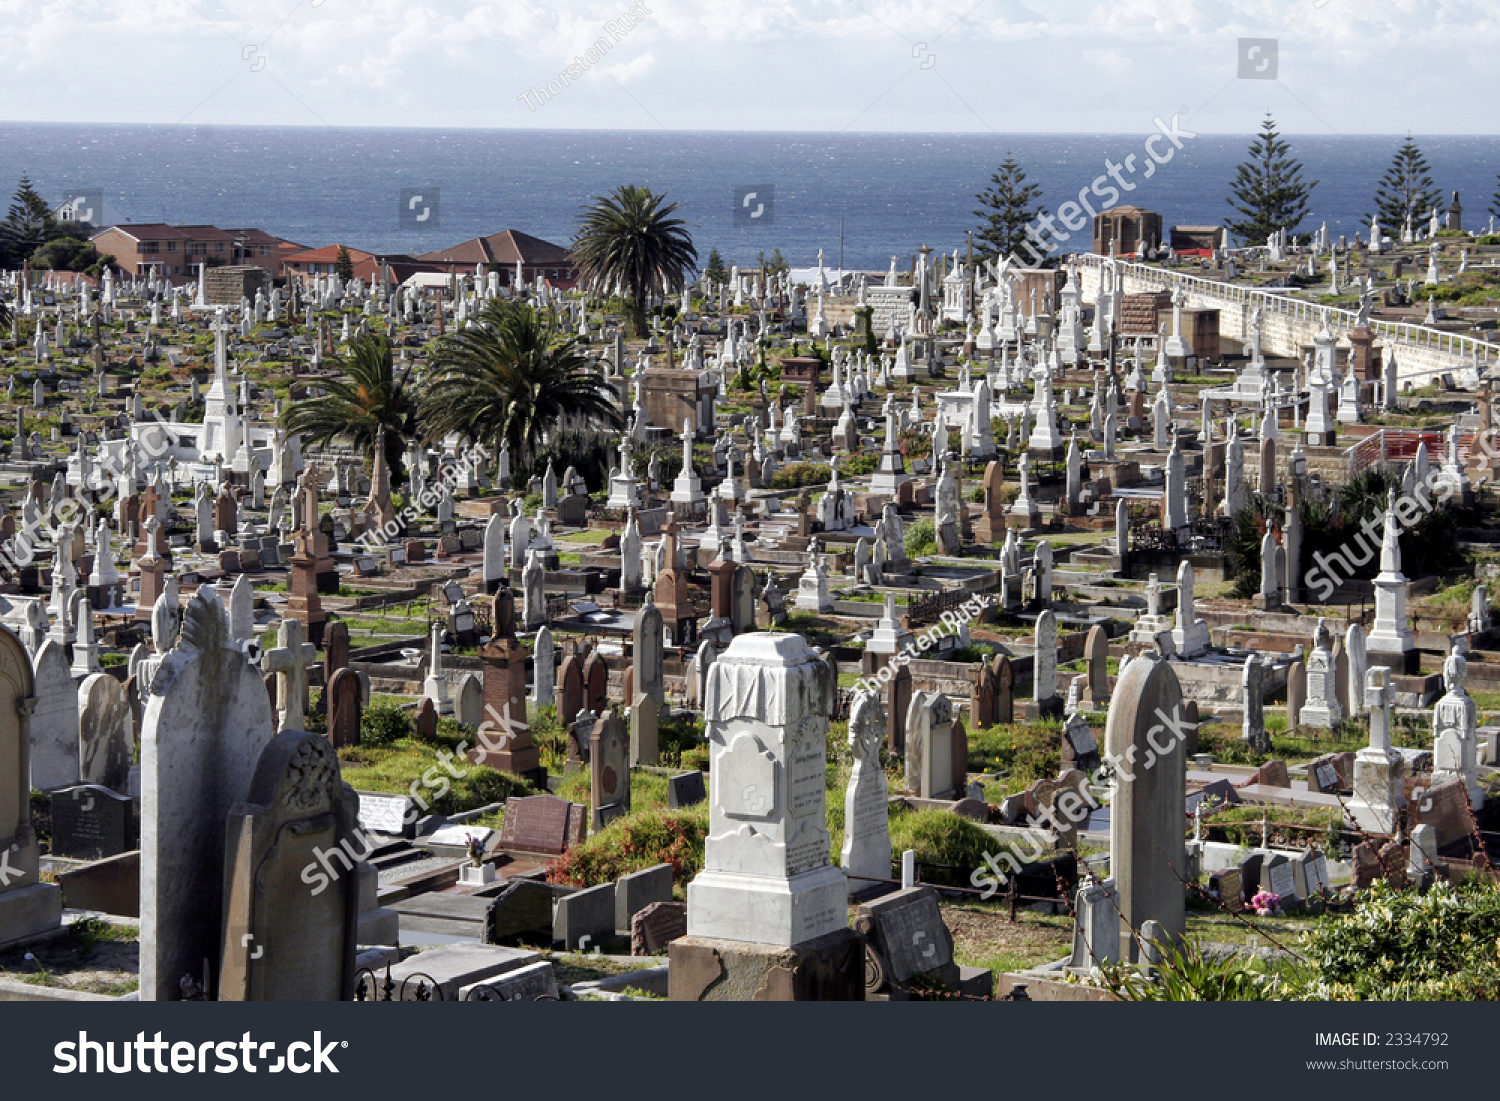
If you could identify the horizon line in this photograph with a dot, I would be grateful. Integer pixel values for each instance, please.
(385, 127)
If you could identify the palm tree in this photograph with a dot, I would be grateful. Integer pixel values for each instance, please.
(370, 396)
(515, 376)
(628, 243)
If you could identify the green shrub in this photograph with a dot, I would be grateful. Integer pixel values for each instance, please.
(1187, 975)
(316, 719)
(951, 846)
(921, 539)
(634, 843)
(865, 462)
(1405, 946)
(549, 736)
(797, 475)
(383, 723)
(676, 736)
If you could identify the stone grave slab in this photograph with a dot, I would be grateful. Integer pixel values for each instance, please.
(638, 890)
(585, 918)
(686, 789)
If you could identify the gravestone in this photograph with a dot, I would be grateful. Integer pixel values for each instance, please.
(645, 715)
(207, 722)
(908, 947)
(898, 703)
(1096, 660)
(686, 789)
(647, 637)
(1322, 708)
(54, 721)
(1005, 682)
(570, 693)
(1314, 873)
(542, 824)
(1277, 877)
(609, 767)
(656, 926)
(1253, 725)
(288, 937)
(929, 746)
(106, 742)
(1044, 667)
(595, 683)
(426, 721)
(1080, 748)
(636, 891)
(1146, 828)
(1229, 889)
(1379, 771)
(585, 918)
(344, 711)
(769, 911)
(393, 815)
(1096, 924)
(27, 906)
(468, 701)
(335, 648)
(866, 853)
(90, 822)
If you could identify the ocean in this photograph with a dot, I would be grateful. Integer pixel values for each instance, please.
(860, 196)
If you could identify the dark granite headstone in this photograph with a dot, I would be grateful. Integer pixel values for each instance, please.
(90, 822)
(686, 789)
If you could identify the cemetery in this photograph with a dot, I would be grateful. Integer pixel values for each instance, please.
(961, 631)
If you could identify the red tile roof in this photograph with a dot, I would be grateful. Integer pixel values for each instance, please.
(505, 247)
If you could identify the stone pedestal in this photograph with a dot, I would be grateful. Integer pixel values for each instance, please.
(1377, 801)
(29, 911)
(303, 601)
(830, 968)
(755, 907)
(505, 742)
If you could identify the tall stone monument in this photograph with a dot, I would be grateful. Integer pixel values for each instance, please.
(767, 916)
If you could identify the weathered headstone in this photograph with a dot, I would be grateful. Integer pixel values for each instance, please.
(207, 722)
(468, 701)
(1146, 827)
(344, 710)
(1096, 924)
(106, 743)
(768, 906)
(288, 936)
(866, 853)
(929, 745)
(54, 721)
(609, 767)
(656, 926)
(27, 906)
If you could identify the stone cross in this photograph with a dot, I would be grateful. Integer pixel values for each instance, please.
(290, 661)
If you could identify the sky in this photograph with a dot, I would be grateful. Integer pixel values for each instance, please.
(1322, 66)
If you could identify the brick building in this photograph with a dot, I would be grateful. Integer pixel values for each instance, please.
(175, 252)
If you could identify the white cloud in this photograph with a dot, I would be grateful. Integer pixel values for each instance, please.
(1082, 65)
